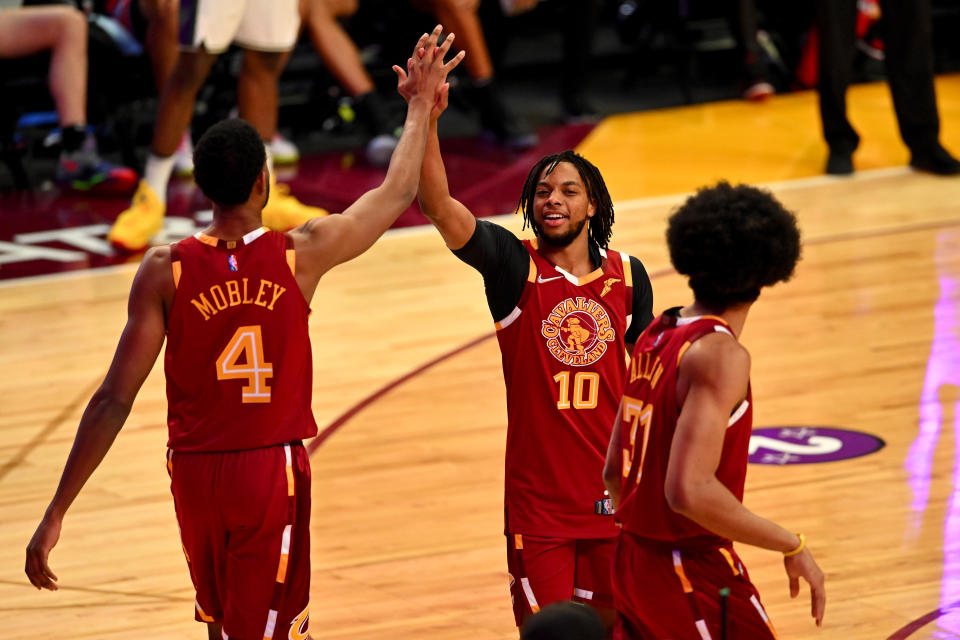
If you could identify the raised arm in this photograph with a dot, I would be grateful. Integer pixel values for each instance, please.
(323, 243)
(715, 372)
(107, 410)
(453, 220)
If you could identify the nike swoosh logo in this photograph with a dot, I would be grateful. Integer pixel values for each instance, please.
(542, 279)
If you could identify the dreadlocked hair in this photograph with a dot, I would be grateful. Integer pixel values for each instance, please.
(601, 224)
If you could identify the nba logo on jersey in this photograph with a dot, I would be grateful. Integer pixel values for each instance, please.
(232, 261)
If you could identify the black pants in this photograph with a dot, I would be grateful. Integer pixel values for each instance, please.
(909, 62)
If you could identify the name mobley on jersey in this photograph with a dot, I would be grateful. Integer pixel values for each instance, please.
(238, 292)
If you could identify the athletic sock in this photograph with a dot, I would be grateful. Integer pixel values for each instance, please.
(157, 172)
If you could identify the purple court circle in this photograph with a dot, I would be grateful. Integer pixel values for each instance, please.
(809, 444)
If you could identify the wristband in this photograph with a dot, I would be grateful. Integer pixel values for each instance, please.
(800, 547)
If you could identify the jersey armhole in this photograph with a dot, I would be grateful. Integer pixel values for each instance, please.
(627, 290)
(175, 265)
(291, 255)
(517, 310)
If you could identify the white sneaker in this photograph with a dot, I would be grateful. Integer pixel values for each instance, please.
(183, 156)
(283, 150)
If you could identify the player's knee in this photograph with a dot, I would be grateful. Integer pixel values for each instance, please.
(263, 63)
(71, 24)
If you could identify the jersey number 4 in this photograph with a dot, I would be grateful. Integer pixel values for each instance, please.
(243, 358)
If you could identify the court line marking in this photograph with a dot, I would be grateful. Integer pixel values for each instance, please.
(910, 628)
(426, 228)
(41, 436)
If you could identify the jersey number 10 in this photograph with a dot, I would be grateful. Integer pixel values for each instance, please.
(586, 386)
(243, 358)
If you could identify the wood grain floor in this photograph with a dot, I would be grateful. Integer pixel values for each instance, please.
(407, 513)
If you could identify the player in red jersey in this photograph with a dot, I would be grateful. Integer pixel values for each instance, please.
(232, 302)
(677, 458)
(565, 308)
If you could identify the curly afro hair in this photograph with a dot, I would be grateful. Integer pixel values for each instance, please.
(731, 241)
(227, 161)
(601, 224)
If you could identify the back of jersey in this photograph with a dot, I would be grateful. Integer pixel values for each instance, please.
(649, 420)
(238, 361)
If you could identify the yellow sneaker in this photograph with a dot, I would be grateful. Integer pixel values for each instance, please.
(135, 226)
(284, 212)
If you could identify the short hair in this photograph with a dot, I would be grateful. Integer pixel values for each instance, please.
(601, 224)
(227, 160)
(731, 241)
(564, 621)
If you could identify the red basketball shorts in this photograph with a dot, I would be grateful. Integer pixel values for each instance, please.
(245, 526)
(548, 570)
(661, 592)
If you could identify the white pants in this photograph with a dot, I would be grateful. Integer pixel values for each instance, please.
(262, 25)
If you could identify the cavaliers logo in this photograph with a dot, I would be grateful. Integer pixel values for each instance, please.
(577, 332)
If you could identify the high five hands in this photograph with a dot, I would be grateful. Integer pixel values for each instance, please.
(425, 77)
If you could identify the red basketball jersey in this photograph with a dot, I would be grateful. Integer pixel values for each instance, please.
(238, 362)
(564, 366)
(650, 413)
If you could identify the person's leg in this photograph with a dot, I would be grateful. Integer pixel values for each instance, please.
(464, 22)
(339, 53)
(592, 582)
(162, 17)
(178, 99)
(745, 26)
(495, 117)
(62, 31)
(257, 90)
(836, 23)
(341, 57)
(579, 19)
(193, 483)
(541, 572)
(907, 36)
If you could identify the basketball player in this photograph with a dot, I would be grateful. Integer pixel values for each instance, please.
(678, 453)
(233, 304)
(565, 307)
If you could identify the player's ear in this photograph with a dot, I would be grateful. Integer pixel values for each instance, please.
(591, 208)
(263, 180)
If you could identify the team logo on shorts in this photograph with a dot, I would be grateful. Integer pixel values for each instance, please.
(577, 332)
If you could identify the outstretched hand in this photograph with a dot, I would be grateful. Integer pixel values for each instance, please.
(38, 551)
(425, 77)
(804, 566)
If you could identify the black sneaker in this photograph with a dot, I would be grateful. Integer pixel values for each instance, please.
(935, 160)
(839, 163)
(84, 170)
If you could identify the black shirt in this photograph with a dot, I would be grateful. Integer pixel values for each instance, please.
(504, 263)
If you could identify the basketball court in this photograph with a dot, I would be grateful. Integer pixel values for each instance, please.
(861, 347)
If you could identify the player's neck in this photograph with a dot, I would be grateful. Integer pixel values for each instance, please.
(573, 258)
(735, 316)
(233, 223)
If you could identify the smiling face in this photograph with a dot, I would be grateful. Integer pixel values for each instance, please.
(561, 207)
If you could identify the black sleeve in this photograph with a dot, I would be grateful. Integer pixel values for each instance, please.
(504, 263)
(642, 302)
